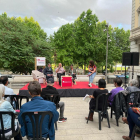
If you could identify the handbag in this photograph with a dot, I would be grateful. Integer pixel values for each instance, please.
(136, 110)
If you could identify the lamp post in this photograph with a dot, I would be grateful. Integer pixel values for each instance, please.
(106, 52)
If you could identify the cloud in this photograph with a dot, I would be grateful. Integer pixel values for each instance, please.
(52, 14)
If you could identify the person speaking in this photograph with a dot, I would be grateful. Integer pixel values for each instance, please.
(92, 72)
(60, 71)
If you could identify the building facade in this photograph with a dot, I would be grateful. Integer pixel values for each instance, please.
(135, 35)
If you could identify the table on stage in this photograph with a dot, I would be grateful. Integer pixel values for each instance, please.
(66, 81)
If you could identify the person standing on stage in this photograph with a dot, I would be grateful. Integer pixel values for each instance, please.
(60, 71)
(48, 72)
(72, 72)
(92, 72)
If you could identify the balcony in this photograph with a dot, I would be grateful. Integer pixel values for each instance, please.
(135, 34)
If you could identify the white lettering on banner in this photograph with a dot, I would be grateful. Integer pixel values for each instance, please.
(66, 81)
(41, 61)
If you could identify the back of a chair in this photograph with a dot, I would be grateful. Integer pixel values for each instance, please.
(105, 97)
(132, 99)
(14, 133)
(36, 119)
(17, 99)
(53, 98)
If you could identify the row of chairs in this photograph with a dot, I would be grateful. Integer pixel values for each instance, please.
(104, 110)
(36, 130)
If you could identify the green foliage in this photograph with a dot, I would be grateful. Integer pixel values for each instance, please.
(86, 40)
(20, 41)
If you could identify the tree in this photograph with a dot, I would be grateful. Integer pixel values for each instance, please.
(65, 44)
(19, 44)
(86, 40)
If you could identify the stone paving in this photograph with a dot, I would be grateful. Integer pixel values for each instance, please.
(76, 127)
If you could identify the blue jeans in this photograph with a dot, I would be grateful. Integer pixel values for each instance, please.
(91, 77)
(132, 120)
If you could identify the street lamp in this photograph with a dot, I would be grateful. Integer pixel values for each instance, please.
(107, 25)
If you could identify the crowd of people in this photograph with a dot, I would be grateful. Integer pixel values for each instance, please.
(133, 118)
(40, 103)
(37, 103)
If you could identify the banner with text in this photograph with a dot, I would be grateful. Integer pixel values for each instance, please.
(40, 61)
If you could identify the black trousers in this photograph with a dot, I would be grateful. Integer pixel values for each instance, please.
(59, 76)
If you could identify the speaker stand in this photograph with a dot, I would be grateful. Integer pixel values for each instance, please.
(125, 77)
(132, 72)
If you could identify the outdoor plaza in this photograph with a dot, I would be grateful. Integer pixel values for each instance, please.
(76, 128)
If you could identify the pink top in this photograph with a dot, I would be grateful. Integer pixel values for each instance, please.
(61, 70)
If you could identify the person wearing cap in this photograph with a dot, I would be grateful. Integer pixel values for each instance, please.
(72, 72)
(48, 72)
(51, 90)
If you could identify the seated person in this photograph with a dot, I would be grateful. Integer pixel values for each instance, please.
(48, 72)
(8, 91)
(117, 83)
(51, 90)
(4, 81)
(72, 72)
(60, 71)
(6, 106)
(37, 103)
(92, 103)
(133, 86)
(132, 120)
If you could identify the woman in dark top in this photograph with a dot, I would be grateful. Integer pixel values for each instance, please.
(96, 93)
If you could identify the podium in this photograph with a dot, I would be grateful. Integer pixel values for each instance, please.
(66, 81)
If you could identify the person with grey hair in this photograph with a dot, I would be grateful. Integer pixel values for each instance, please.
(53, 91)
(36, 104)
(133, 86)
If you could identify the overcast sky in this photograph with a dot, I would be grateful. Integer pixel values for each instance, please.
(51, 14)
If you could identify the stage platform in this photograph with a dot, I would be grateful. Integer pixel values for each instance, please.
(78, 90)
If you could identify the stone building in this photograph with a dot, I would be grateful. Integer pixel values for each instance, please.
(135, 35)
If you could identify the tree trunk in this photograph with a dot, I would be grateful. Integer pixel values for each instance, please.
(115, 68)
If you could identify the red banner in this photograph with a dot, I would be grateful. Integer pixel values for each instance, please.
(66, 81)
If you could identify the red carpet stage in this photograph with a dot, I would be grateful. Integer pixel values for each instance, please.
(78, 90)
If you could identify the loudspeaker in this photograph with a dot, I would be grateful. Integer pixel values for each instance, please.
(130, 59)
(135, 59)
(126, 59)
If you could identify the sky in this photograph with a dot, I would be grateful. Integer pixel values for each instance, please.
(52, 14)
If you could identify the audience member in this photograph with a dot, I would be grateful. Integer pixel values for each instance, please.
(4, 81)
(117, 83)
(48, 72)
(6, 106)
(51, 90)
(92, 104)
(72, 72)
(37, 103)
(133, 86)
(60, 71)
(132, 120)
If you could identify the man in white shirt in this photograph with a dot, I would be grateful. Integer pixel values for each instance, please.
(60, 71)
(4, 81)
